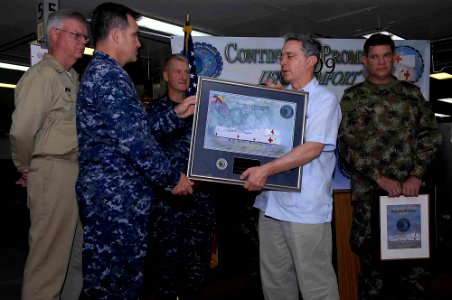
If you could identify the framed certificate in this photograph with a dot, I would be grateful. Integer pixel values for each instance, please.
(405, 225)
(237, 126)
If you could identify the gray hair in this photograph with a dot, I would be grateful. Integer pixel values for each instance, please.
(57, 18)
(310, 46)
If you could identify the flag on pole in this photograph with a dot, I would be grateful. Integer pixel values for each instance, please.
(190, 54)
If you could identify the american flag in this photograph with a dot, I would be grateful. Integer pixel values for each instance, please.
(190, 54)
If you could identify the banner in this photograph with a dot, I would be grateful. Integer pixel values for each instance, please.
(255, 60)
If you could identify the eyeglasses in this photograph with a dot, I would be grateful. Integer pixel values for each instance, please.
(76, 35)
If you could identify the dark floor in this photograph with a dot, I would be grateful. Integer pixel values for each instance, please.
(11, 271)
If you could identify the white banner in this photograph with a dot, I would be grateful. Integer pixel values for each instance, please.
(254, 60)
(37, 53)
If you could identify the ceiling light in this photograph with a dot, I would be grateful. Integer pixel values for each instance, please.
(441, 115)
(166, 27)
(13, 67)
(441, 76)
(7, 85)
(88, 51)
(392, 35)
(448, 100)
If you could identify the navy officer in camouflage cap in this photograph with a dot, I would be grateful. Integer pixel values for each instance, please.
(388, 136)
(120, 160)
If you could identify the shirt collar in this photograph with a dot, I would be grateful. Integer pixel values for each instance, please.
(57, 66)
(307, 88)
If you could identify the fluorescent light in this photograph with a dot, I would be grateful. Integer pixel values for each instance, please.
(7, 85)
(441, 115)
(13, 67)
(392, 35)
(88, 51)
(441, 76)
(166, 27)
(448, 100)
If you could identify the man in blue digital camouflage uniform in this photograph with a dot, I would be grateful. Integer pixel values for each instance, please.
(388, 137)
(120, 161)
(182, 226)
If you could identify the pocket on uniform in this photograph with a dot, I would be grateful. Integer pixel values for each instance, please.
(62, 138)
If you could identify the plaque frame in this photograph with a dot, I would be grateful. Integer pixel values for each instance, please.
(384, 225)
(223, 165)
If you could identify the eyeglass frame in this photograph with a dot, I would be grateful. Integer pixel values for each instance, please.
(76, 35)
(289, 56)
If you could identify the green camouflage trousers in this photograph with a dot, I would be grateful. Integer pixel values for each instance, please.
(383, 280)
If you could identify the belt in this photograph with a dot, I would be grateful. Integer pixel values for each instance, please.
(70, 156)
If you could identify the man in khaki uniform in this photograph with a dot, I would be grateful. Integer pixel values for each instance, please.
(44, 149)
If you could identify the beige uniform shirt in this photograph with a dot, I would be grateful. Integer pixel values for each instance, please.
(43, 122)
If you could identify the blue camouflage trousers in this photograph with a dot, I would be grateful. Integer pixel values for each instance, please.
(180, 246)
(113, 254)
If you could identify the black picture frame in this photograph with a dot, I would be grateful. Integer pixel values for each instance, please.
(222, 148)
(404, 228)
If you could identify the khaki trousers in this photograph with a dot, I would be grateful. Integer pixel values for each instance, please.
(295, 258)
(54, 259)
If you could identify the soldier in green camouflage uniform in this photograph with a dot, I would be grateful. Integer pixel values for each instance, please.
(388, 137)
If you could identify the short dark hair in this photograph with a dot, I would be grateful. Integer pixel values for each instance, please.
(310, 45)
(109, 15)
(378, 39)
(176, 56)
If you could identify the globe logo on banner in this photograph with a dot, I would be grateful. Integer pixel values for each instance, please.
(408, 63)
(209, 61)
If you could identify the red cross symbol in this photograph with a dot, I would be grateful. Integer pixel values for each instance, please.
(272, 132)
(270, 140)
(406, 74)
(397, 58)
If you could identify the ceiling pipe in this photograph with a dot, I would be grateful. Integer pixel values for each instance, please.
(18, 42)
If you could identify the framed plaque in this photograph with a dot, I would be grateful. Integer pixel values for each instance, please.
(405, 227)
(237, 126)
